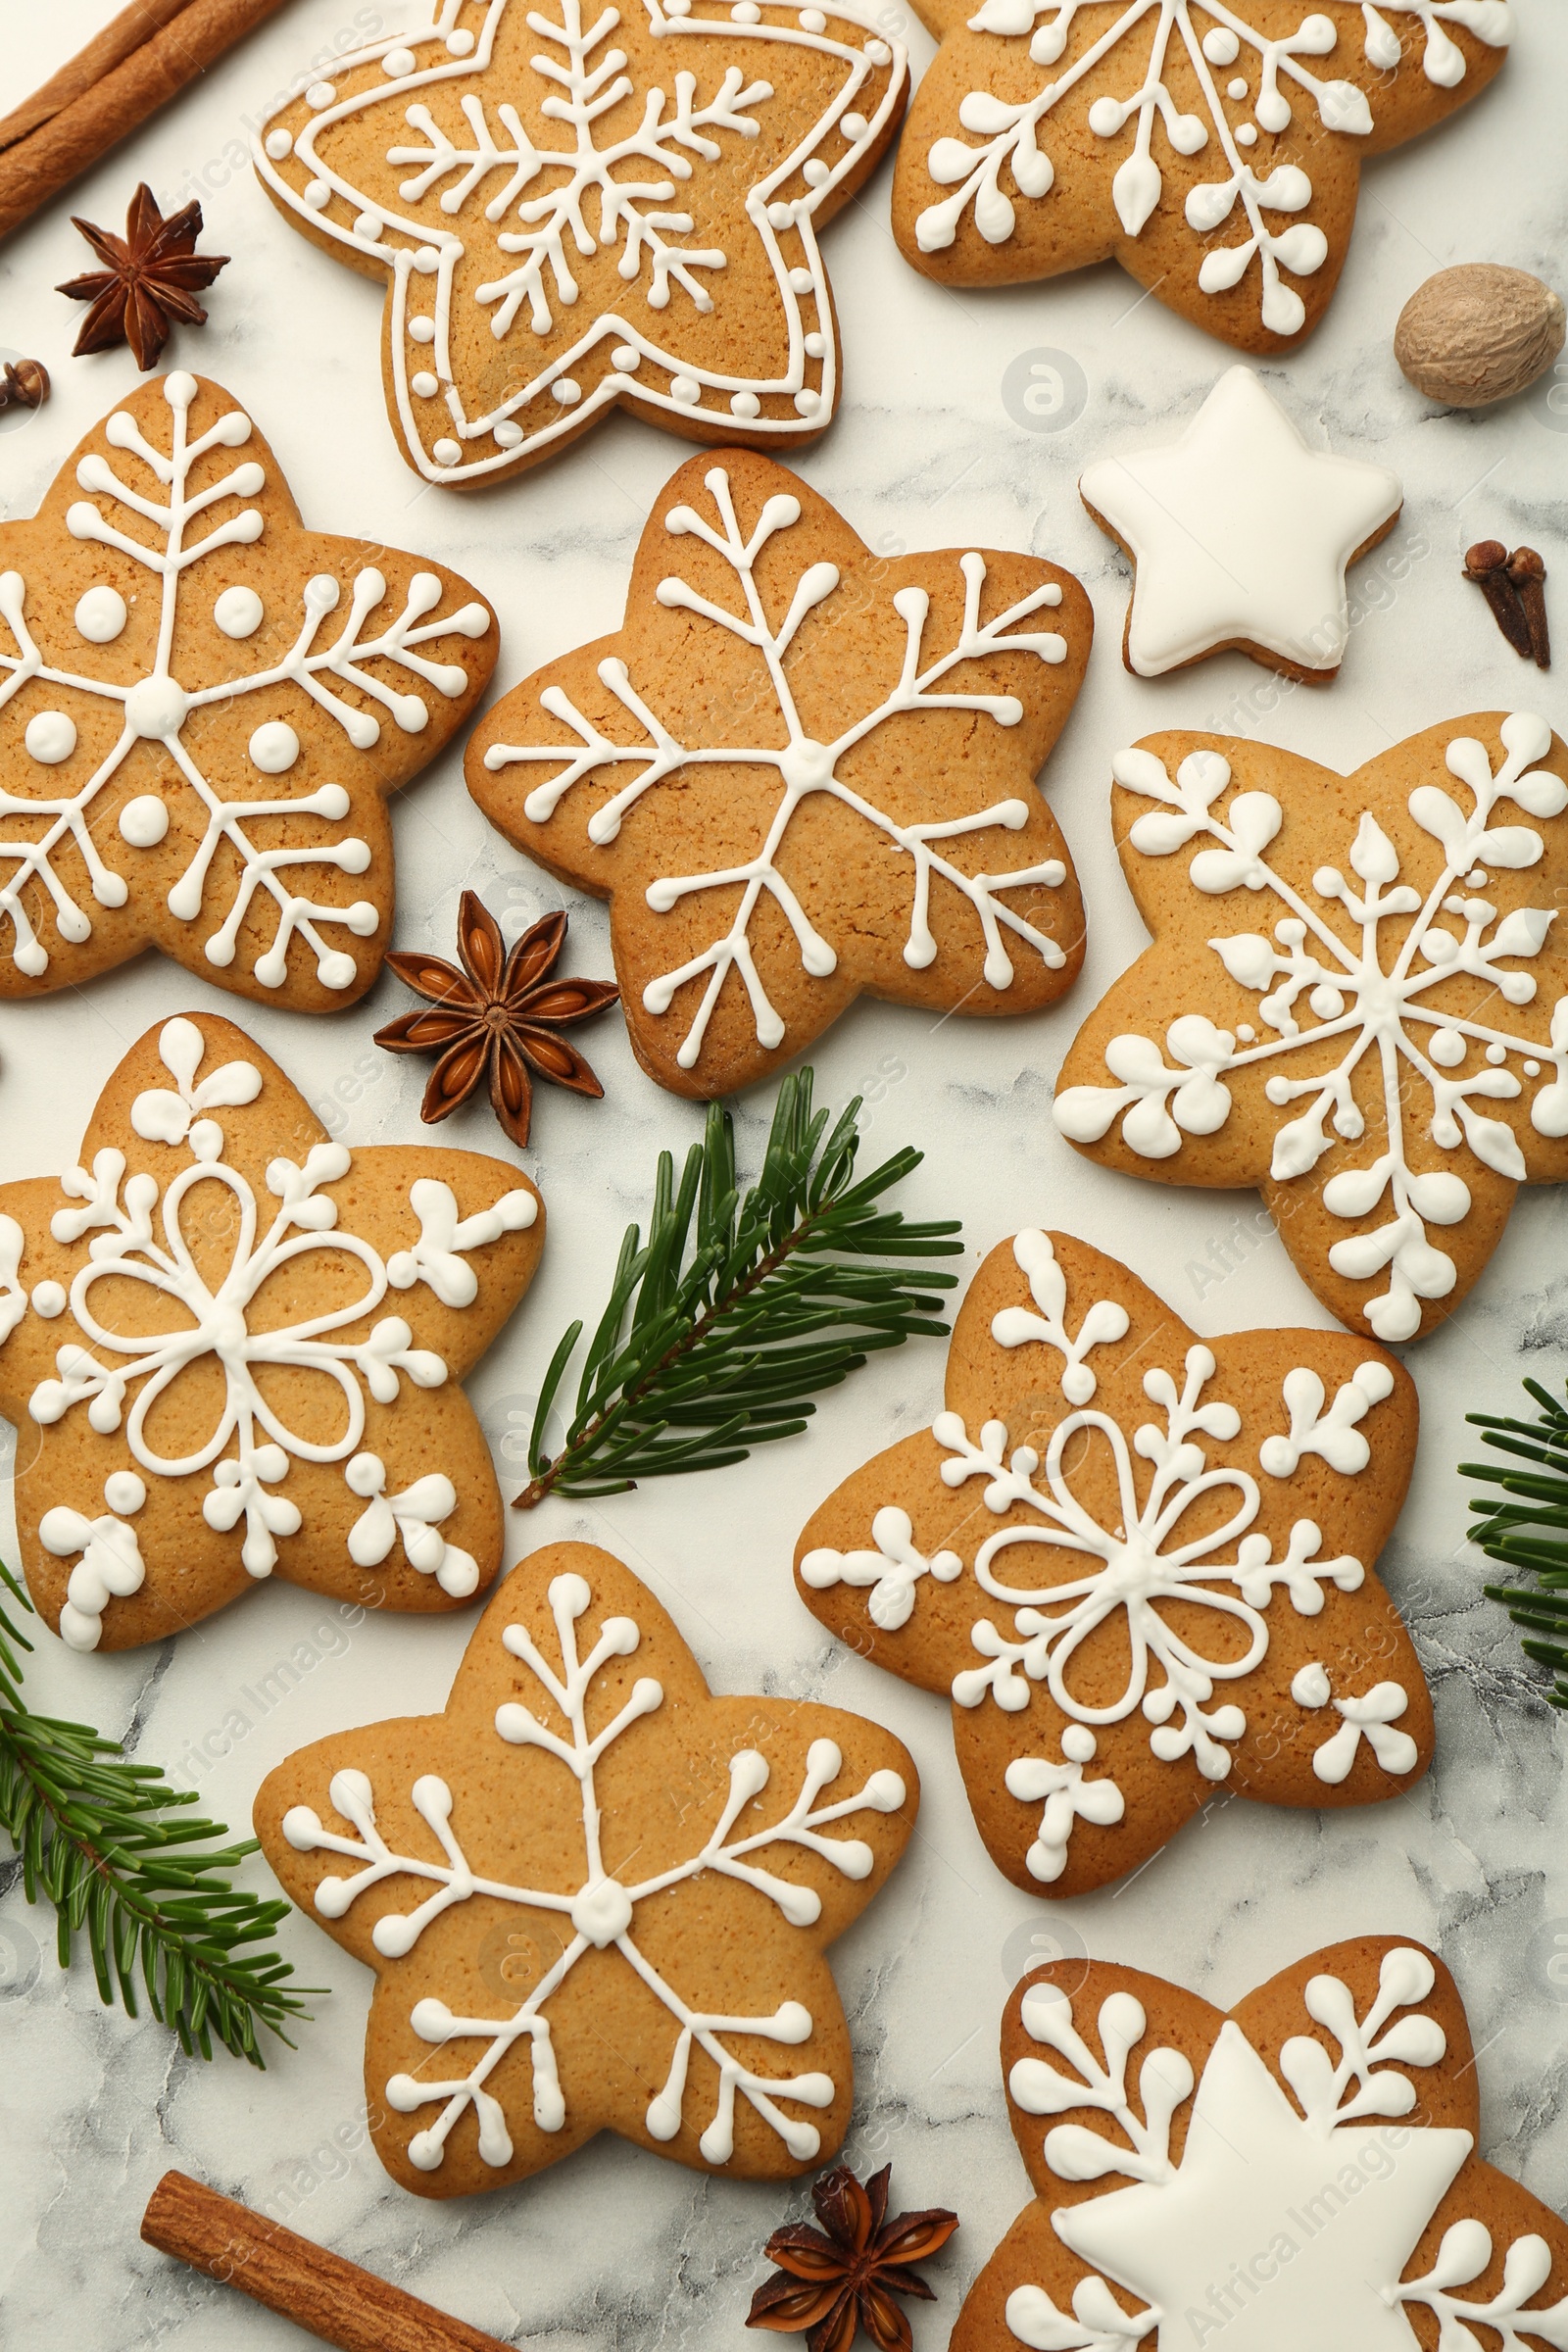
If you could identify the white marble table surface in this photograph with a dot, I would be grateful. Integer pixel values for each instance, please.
(613, 2246)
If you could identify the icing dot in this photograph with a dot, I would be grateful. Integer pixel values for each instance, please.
(426, 260)
(1246, 1033)
(627, 358)
(447, 451)
(156, 707)
(813, 21)
(508, 433)
(278, 144)
(1221, 46)
(425, 386)
(686, 389)
(566, 390)
(816, 345)
(801, 281)
(144, 821)
(807, 402)
(879, 53)
(238, 611)
(854, 127)
(1497, 1053)
(370, 226)
(1447, 1048)
(51, 737)
(745, 404)
(1237, 88)
(1476, 878)
(317, 194)
(397, 63)
(49, 1300)
(746, 12)
(124, 1491)
(101, 615)
(459, 42)
(320, 94)
(1532, 1069)
(780, 216)
(421, 330)
(1246, 135)
(816, 174)
(274, 746)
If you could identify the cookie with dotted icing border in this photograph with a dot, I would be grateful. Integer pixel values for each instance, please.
(576, 208)
(233, 1347)
(876, 827)
(596, 1895)
(1300, 2172)
(1213, 150)
(1362, 988)
(1140, 1564)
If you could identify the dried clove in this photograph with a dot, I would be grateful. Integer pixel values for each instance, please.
(1487, 563)
(25, 384)
(1528, 574)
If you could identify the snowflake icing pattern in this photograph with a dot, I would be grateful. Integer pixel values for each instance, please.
(1246, 78)
(584, 173)
(600, 1913)
(772, 612)
(240, 856)
(151, 1236)
(1379, 989)
(1262, 2172)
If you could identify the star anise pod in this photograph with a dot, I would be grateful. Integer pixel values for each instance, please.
(832, 2280)
(497, 1019)
(151, 276)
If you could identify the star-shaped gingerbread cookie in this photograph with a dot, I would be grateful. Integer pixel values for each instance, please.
(231, 1347)
(1241, 535)
(596, 1896)
(801, 772)
(203, 708)
(1362, 986)
(1213, 150)
(1300, 2171)
(1140, 1564)
(575, 208)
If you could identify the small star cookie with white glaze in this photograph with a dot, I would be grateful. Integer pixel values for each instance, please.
(1241, 537)
(203, 709)
(233, 1347)
(597, 1896)
(802, 772)
(576, 208)
(1361, 984)
(1213, 150)
(1140, 1564)
(1301, 2173)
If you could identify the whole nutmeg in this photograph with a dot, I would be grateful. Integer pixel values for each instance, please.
(25, 384)
(1475, 334)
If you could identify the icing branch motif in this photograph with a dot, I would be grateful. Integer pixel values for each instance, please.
(1147, 38)
(804, 768)
(600, 1913)
(1367, 2079)
(1370, 1717)
(1165, 2078)
(152, 1237)
(611, 161)
(1015, 1327)
(1146, 1559)
(1363, 964)
(231, 866)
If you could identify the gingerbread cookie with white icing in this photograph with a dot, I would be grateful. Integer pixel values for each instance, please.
(1140, 1564)
(1213, 151)
(233, 1347)
(596, 1895)
(576, 208)
(203, 709)
(1356, 999)
(802, 772)
(1301, 2173)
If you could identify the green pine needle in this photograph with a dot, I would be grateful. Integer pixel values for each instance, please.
(1540, 1610)
(95, 1840)
(697, 1359)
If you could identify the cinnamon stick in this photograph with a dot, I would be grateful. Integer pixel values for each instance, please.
(329, 2298)
(139, 61)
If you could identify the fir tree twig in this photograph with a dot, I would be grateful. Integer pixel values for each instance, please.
(95, 1840)
(694, 1362)
(1500, 1529)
